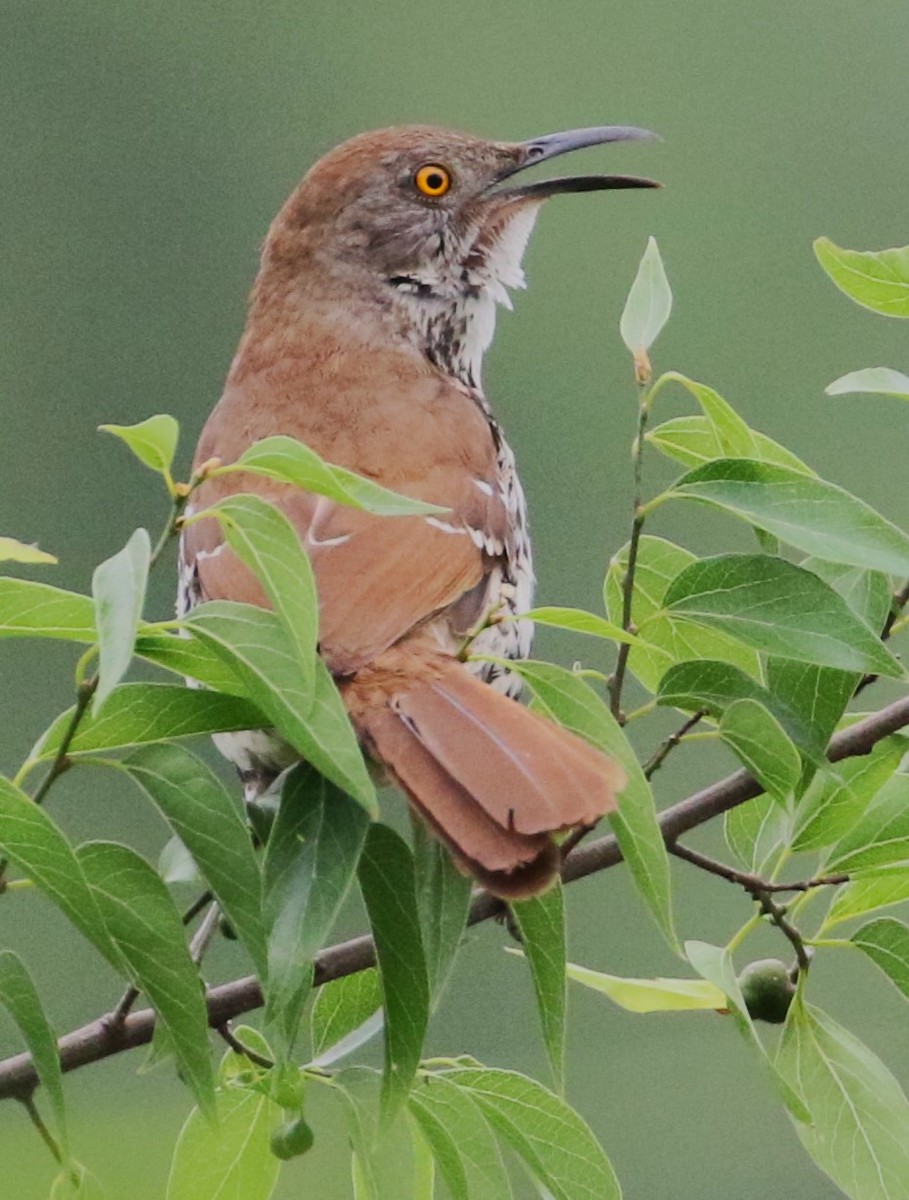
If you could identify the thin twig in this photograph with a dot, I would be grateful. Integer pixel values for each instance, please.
(237, 1046)
(665, 748)
(179, 498)
(746, 879)
(118, 1015)
(204, 934)
(617, 681)
(760, 891)
(777, 915)
(95, 1041)
(196, 907)
(84, 694)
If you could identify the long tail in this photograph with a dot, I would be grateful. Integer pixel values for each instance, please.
(491, 778)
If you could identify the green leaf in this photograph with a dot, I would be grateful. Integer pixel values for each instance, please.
(310, 861)
(695, 440)
(252, 643)
(876, 279)
(462, 1142)
(867, 593)
(690, 440)
(779, 608)
(232, 1160)
(665, 640)
(649, 302)
(359, 1110)
(143, 922)
(716, 686)
(20, 998)
(651, 995)
(387, 881)
(834, 802)
(176, 864)
(264, 540)
(153, 441)
(881, 837)
(762, 746)
(886, 942)
(555, 1143)
(541, 924)
(573, 703)
(12, 550)
(30, 839)
(755, 830)
(819, 695)
(735, 438)
(202, 814)
(715, 965)
(190, 657)
(424, 1166)
(802, 510)
(137, 713)
(361, 1179)
(29, 609)
(443, 903)
(881, 380)
(343, 1006)
(118, 588)
(859, 1133)
(578, 621)
(861, 896)
(290, 461)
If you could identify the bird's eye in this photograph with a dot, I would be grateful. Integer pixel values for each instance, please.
(432, 180)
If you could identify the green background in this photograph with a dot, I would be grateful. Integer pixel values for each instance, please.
(143, 150)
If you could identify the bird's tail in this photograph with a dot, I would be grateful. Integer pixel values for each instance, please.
(494, 780)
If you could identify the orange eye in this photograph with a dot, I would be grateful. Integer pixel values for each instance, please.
(432, 180)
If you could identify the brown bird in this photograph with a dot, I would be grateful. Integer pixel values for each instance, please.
(367, 324)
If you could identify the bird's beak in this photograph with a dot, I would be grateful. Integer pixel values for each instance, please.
(551, 145)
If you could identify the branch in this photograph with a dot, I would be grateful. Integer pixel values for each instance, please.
(752, 883)
(662, 752)
(760, 891)
(97, 1040)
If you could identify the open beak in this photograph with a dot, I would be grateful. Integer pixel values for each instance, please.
(540, 149)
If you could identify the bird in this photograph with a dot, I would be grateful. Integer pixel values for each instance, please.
(368, 320)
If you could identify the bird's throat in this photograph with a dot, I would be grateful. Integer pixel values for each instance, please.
(450, 304)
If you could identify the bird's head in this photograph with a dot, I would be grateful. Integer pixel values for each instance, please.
(423, 208)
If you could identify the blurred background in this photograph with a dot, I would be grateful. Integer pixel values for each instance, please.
(144, 148)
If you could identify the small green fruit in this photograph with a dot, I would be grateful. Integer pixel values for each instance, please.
(767, 990)
(292, 1139)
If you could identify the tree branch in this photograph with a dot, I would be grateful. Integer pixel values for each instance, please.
(98, 1040)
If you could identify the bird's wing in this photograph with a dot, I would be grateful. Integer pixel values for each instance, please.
(378, 577)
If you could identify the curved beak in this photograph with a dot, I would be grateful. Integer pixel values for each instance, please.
(551, 145)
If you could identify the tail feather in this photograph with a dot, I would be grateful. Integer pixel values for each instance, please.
(493, 779)
(525, 771)
(511, 865)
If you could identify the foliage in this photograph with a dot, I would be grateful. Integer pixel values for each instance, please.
(761, 649)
